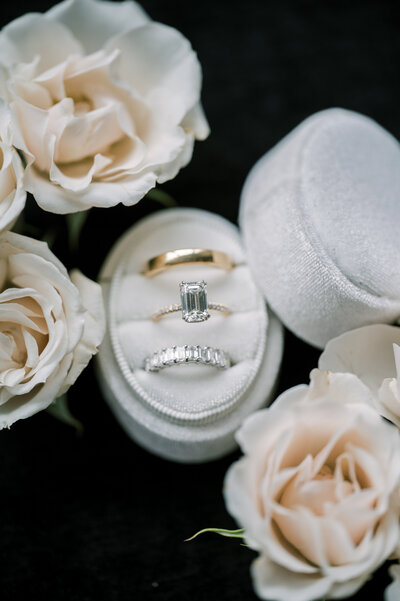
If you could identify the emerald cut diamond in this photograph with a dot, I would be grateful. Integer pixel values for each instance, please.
(194, 301)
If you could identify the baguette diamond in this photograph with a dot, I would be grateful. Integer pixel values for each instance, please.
(187, 354)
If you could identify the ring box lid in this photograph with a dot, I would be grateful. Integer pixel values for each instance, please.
(320, 216)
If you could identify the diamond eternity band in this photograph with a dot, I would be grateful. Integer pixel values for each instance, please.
(187, 354)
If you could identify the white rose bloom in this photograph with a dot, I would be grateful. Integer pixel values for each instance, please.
(317, 491)
(12, 193)
(106, 100)
(372, 353)
(50, 326)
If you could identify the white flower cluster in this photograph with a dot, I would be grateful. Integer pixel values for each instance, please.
(318, 489)
(97, 104)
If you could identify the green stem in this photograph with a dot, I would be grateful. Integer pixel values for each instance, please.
(75, 223)
(239, 533)
(60, 410)
(162, 197)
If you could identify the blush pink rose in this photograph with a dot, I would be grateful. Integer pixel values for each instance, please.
(317, 491)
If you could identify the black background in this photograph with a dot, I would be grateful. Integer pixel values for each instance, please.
(97, 518)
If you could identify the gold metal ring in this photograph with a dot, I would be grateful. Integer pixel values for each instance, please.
(187, 256)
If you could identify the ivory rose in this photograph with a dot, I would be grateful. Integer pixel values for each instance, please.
(50, 326)
(107, 102)
(372, 353)
(12, 193)
(317, 491)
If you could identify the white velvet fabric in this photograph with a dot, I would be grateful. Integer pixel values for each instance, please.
(320, 218)
(186, 413)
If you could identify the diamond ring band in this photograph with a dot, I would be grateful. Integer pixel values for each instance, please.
(187, 256)
(179, 355)
(194, 305)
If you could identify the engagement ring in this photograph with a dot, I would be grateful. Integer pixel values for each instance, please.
(194, 305)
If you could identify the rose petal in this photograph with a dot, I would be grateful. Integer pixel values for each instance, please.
(389, 400)
(301, 530)
(12, 243)
(263, 428)
(357, 520)
(105, 194)
(171, 168)
(366, 352)
(31, 349)
(271, 581)
(338, 545)
(92, 133)
(33, 122)
(35, 35)
(12, 193)
(41, 275)
(93, 23)
(373, 553)
(241, 500)
(124, 157)
(341, 590)
(77, 177)
(24, 406)
(165, 70)
(196, 121)
(338, 387)
(92, 300)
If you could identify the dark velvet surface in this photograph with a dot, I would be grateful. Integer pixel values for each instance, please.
(96, 518)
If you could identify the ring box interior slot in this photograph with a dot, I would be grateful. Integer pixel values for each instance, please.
(190, 412)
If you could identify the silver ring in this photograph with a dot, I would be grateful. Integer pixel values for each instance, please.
(187, 354)
(194, 305)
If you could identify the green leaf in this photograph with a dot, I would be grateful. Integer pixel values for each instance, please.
(60, 410)
(22, 157)
(24, 228)
(75, 223)
(162, 197)
(239, 533)
(50, 237)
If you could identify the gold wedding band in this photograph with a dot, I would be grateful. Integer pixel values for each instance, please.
(187, 256)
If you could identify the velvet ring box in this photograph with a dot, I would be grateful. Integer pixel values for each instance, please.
(319, 241)
(320, 218)
(186, 413)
